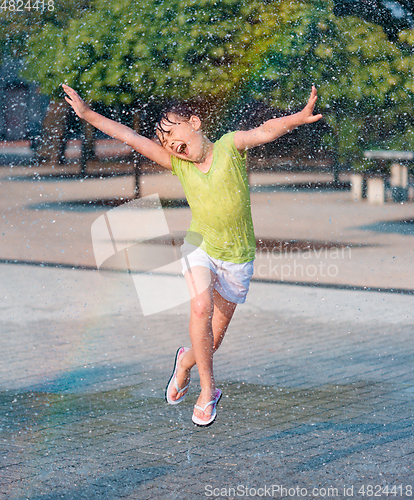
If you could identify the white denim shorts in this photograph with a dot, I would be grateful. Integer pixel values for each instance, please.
(232, 280)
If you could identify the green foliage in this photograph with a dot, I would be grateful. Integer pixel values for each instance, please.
(16, 27)
(124, 52)
(358, 71)
(392, 18)
(352, 61)
(120, 52)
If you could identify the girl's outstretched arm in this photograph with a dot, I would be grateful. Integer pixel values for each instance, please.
(272, 129)
(146, 147)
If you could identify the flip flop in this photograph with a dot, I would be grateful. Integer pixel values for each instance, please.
(214, 402)
(173, 380)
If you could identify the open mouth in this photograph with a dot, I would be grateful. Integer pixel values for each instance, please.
(181, 149)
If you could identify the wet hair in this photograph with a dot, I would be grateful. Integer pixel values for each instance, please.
(181, 109)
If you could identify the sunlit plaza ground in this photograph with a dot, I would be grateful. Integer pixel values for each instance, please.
(316, 369)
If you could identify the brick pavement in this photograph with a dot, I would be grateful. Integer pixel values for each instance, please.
(318, 383)
(322, 397)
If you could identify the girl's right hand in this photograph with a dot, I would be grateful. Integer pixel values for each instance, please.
(79, 105)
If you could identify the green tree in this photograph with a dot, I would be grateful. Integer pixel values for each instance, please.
(17, 26)
(393, 16)
(364, 80)
(118, 53)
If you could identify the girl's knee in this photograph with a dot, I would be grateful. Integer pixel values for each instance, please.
(202, 307)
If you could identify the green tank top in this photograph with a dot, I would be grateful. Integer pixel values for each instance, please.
(220, 203)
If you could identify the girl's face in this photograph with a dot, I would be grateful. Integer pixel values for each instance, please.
(182, 138)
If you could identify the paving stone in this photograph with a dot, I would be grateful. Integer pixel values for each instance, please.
(317, 383)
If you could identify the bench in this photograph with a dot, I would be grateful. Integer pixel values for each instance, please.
(376, 185)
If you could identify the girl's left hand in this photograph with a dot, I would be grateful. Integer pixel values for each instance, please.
(307, 111)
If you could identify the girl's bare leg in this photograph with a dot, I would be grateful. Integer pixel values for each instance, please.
(209, 320)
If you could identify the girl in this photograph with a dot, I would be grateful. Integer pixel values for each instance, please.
(219, 248)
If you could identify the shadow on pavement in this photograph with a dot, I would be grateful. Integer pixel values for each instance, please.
(404, 227)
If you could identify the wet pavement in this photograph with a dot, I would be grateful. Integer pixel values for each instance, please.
(317, 382)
